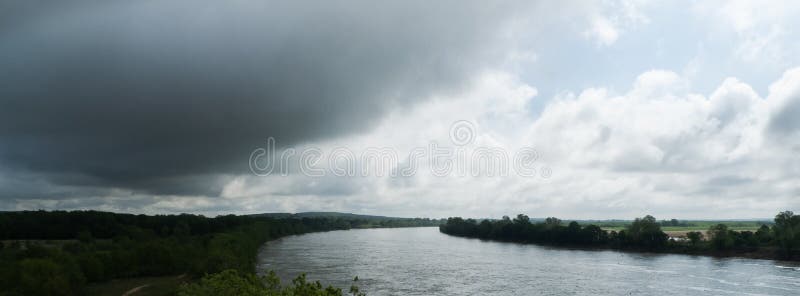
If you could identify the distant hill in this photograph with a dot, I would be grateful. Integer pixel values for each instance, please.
(356, 220)
(272, 215)
(325, 215)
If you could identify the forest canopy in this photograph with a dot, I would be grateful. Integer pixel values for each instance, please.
(59, 252)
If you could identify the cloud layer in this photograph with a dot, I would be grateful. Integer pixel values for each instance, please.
(163, 96)
(155, 106)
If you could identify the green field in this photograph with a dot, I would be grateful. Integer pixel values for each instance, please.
(701, 226)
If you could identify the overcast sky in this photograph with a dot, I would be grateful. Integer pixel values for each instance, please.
(679, 109)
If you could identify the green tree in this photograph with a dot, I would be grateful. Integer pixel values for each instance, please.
(719, 237)
(42, 277)
(552, 221)
(522, 219)
(695, 237)
(763, 234)
(646, 232)
(787, 232)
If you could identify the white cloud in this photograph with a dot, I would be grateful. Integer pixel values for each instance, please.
(609, 19)
(654, 84)
(657, 149)
(745, 15)
(602, 31)
(763, 29)
(762, 47)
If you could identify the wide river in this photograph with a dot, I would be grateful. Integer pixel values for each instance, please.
(422, 261)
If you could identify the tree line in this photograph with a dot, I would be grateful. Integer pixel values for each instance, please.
(782, 240)
(59, 252)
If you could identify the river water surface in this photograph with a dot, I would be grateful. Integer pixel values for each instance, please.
(422, 261)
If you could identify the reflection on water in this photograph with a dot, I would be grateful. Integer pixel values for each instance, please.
(422, 261)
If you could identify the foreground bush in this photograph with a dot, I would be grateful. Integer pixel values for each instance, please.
(231, 282)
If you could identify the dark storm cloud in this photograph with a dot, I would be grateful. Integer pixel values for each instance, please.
(164, 96)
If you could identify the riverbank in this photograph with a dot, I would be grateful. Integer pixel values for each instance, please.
(761, 254)
(778, 242)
